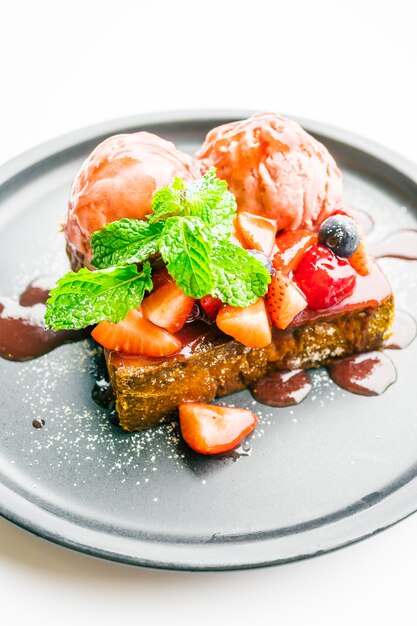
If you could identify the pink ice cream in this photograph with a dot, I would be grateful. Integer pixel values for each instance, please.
(118, 180)
(275, 169)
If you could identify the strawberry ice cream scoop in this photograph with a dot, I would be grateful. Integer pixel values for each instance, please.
(275, 169)
(118, 180)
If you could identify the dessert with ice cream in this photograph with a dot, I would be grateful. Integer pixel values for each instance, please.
(202, 276)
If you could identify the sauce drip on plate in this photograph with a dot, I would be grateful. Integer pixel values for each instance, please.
(404, 331)
(23, 335)
(368, 374)
(282, 388)
(401, 244)
(363, 218)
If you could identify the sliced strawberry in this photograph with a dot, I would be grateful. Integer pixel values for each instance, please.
(211, 305)
(291, 245)
(284, 300)
(258, 233)
(160, 277)
(249, 326)
(136, 335)
(168, 307)
(361, 260)
(212, 429)
(324, 278)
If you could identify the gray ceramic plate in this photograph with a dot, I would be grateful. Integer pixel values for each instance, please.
(313, 478)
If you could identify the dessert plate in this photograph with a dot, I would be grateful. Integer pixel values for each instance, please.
(312, 478)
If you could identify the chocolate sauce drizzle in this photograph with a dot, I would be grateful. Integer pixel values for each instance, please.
(282, 388)
(401, 244)
(23, 335)
(367, 374)
(403, 331)
(102, 394)
(363, 218)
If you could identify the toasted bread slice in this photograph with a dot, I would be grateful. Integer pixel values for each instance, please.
(211, 364)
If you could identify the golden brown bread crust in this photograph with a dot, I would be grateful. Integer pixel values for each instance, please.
(148, 394)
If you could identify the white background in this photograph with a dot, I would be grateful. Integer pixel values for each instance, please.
(70, 64)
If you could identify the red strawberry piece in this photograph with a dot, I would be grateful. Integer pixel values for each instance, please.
(250, 325)
(324, 278)
(291, 245)
(211, 305)
(212, 429)
(257, 233)
(168, 307)
(136, 335)
(361, 260)
(284, 300)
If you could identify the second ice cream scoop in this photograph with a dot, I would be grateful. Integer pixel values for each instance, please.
(275, 169)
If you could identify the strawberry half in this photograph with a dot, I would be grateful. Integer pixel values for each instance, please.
(212, 429)
(258, 233)
(291, 245)
(361, 260)
(136, 335)
(324, 278)
(211, 305)
(284, 300)
(168, 307)
(250, 326)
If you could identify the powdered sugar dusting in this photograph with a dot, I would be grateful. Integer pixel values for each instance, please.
(83, 435)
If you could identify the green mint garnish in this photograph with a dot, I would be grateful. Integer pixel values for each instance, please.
(190, 229)
(186, 250)
(125, 241)
(207, 198)
(84, 298)
(240, 279)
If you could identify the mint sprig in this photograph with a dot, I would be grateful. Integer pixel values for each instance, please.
(190, 229)
(207, 198)
(85, 298)
(186, 250)
(125, 241)
(239, 278)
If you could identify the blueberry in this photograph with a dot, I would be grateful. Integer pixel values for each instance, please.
(340, 233)
(262, 258)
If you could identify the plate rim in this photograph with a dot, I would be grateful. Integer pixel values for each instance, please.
(182, 556)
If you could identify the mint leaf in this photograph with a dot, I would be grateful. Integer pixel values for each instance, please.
(206, 197)
(125, 241)
(84, 298)
(209, 198)
(240, 279)
(185, 248)
(168, 201)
